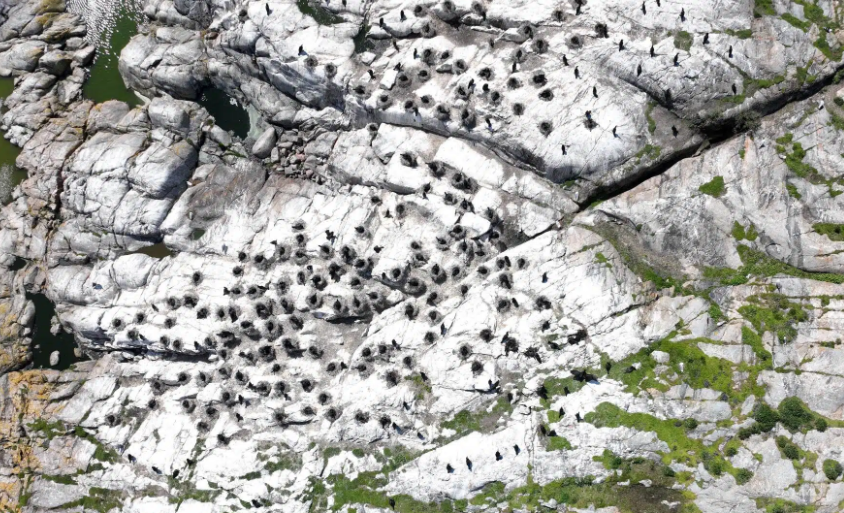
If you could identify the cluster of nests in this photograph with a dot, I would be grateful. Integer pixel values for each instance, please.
(429, 60)
(257, 328)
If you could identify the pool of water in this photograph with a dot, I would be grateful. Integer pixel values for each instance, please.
(228, 113)
(45, 341)
(156, 251)
(10, 174)
(111, 24)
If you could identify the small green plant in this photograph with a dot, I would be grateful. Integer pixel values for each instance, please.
(714, 188)
(832, 469)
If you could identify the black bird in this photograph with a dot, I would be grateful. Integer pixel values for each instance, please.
(706, 38)
(674, 130)
(565, 61)
(594, 91)
(658, 4)
(564, 150)
(302, 50)
(676, 59)
(683, 14)
(562, 412)
(267, 7)
(730, 52)
(156, 470)
(402, 16)
(415, 53)
(132, 459)
(566, 390)
(621, 45)
(638, 70)
(589, 115)
(498, 456)
(395, 43)
(449, 468)
(613, 132)
(576, 72)
(644, 9)
(517, 449)
(735, 91)
(392, 503)
(381, 22)
(371, 73)
(514, 67)
(577, 12)
(544, 277)
(469, 464)
(652, 51)
(577, 416)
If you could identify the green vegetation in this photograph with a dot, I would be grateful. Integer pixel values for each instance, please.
(797, 22)
(756, 263)
(65, 479)
(789, 449)
(764, 7)
(751, 338)
(832, 469)
(792, 191)
(833, 54)
(782, 506)
(651, 122)
(683, 40)
(649, 151)
(49, 429)
(743, 476)
(682, 448)
(320, 14)
(794, 161)
(98, 499)
(602, 259)
(362, 43)
(834, 232)
(741, 34)
(714, 188)
(774, 313)
(792, 414)
(741, 233)
(558, 443)
(464, 422)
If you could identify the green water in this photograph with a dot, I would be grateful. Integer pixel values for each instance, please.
(64, 343)
(10, 174)
(227, 112)
(105, 82)
(156, 251)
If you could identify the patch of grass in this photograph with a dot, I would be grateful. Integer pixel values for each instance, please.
(49, 430)
(64, 479)
(834, 232)
(558, 443)
(751, 338)
(741, 233)
(764, 8)
(782, 506)
(741, 34)
(288, 461)
(789, 449)
(714, 188)
(251, 476)
(832, 469)
(609, 459)
(833, 54)
(792, 191)
(464, 422)
(681, 447)
(774, 313)
(649, 151)
(651, 122)
(101, 500)
(797, 22)
(756, 263)
(683, 40)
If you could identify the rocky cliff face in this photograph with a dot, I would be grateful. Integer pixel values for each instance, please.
(469, 256)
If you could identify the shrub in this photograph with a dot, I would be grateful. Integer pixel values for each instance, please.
(832, 469)
(766, 417)
(820, 424)
(731, 451)
(789, 449)
(794, 415)
(743, 476)
(690, 423)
